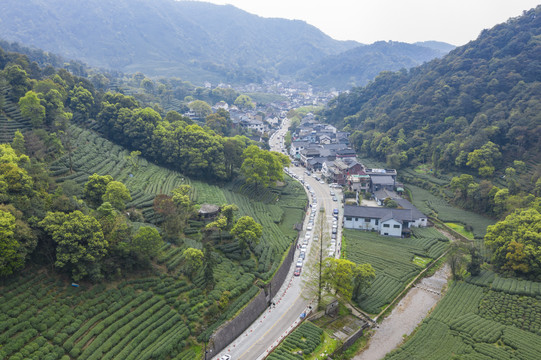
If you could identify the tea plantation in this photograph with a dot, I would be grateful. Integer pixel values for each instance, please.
(436, 206)
(160, 313)
(480, 319)
(303, 341)
(392, 258)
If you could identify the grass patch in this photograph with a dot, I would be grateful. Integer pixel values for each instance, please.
(421, 261)
(327, 347)
(460, 229)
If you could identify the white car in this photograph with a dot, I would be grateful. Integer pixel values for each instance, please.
(226, 357)
(299, 262)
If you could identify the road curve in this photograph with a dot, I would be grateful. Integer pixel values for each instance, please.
(291, 301)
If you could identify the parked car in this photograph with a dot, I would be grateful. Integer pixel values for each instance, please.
(299, 262)
(335, 211)
(298, 270)
(332, 193)
(226, 357)
(334, 230)
(302, 254)
(334, 198)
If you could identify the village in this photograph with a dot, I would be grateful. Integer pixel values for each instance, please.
(372, 197)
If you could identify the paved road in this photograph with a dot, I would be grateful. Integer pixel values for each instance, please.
(292, 300)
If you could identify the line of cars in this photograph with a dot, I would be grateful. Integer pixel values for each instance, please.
(334, 233)
(304, 244)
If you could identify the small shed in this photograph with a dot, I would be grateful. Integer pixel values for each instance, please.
(208, 211)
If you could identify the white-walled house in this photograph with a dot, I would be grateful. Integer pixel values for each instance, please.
(297, 147)
(386, 221)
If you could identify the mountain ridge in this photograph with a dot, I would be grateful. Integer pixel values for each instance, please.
(192, 40)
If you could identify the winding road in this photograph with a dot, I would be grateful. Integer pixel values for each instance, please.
(292, 300)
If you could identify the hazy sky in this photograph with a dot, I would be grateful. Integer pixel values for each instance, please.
(452, 21)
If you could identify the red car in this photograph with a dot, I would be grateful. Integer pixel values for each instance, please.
(297, 271)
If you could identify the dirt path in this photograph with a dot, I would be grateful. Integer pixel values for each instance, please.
(406, 315)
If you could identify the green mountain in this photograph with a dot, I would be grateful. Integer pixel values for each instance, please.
(483, 99)
(436, 45)
(362, 64)
(194, 40)
(199, 42)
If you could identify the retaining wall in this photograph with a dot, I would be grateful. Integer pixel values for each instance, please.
(236, 326)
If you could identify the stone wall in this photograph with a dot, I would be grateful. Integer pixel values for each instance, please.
(229, 331)
(282, 272)
(236, 326)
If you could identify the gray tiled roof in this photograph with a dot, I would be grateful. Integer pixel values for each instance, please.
(383, 213)
(382, 180)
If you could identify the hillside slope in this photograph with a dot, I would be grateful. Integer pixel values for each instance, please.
(189, 39)
(485, 92)
(362, 64)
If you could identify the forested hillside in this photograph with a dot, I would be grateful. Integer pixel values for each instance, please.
(152, 277)
(481, 99)
(362, 64)
(194, 40)
(200, 42)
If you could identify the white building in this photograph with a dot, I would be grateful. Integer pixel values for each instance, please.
(297, 147)
(386, 221)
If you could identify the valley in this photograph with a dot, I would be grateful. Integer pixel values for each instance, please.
(181, 180)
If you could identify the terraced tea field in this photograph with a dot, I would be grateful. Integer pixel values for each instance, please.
(480, 321)
(393, 260)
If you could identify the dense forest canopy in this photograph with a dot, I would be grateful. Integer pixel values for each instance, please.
(88, 232)
(486, 92)
(200, 42)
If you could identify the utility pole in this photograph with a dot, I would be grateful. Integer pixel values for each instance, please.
(322, 214)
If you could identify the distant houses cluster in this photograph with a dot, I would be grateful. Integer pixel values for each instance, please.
(322, 148)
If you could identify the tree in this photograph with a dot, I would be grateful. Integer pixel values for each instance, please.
(474, 266)
(220, 224)
(456, 261)
(17, 78)
(209, 264)
(95, 188)
(228, 211)
(244, 102)
(32, 109)
(18, 143)
(117, 194)
(390, 203)
(133, 159)
(247, 231)
(233, 149)
(81, 100)
(460, 185)
(164, 205)
(516, 243)
(193, 260)
(184, 205)
(218, 123)
(11, 259)
(261, 167)
(80, 243)
(147, 242)
(343, 277)
(201, 108)
(364, 276)
(484, 158)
